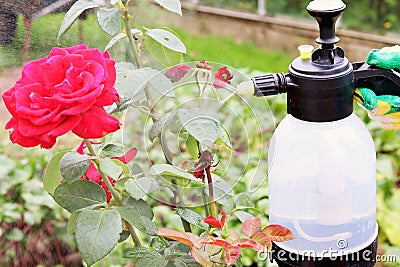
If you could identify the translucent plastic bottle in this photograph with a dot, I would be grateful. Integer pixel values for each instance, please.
(322, 185)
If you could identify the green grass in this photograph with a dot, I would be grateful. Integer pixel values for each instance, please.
(226, 51)
(215, 49)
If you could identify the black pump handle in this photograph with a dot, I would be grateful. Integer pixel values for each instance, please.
(381, 81)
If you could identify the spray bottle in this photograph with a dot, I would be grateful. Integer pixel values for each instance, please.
(322, 163)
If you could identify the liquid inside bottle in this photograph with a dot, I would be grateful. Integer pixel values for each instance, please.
(322, 185)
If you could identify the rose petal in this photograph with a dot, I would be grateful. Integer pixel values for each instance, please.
(96, 123)
(65, 126)
(93, 174)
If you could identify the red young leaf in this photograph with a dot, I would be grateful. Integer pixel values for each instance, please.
(82, 146)
(231, 254)
(222, 78)
(177, 72)
(278, 233)
(200, 256)
(248, 243)
(210, 240)
(263, 239)
(233, 236)
(189, 239)
(251, 226)
(131, 154)
(223, 219)
(212, 221)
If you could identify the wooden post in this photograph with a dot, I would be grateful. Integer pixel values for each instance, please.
(27, 39)
(261, 8)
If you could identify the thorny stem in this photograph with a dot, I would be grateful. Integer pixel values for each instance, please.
(211, 192)
(113, 192)
(139, 63)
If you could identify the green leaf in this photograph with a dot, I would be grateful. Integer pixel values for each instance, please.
(176, 249)
(121, 36)
(73, 13)
(223, 138)
(73, 165)
(112, 150)
(109, 20)
(163, 55)
(139, 187)
(152, 259)
(171, 5)
(171, 172)
(71, 225)
(201, 123)
(79, 195)
(243, 200)
(97, 233)
(136, 253)
(52, 176)
(167, 39)
(114, 40)
(186, 261)
(192, 217)
(130, 81)
(142, 206)
(192, 147)
(243, 216)
(133, 216)
(158, 244)
(108, 167)
(222, 185)
(162, 84)
(159, 126)
(222, 191)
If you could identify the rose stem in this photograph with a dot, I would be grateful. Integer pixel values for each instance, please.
(113, 192)
(139, 63)
(211, 205)
(211, 192)
(203, 194)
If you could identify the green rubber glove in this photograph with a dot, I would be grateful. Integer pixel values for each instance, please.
(383, 108)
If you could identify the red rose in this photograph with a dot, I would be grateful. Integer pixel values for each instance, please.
(65, 91)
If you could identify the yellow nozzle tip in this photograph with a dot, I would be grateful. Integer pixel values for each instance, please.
(245, 88)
